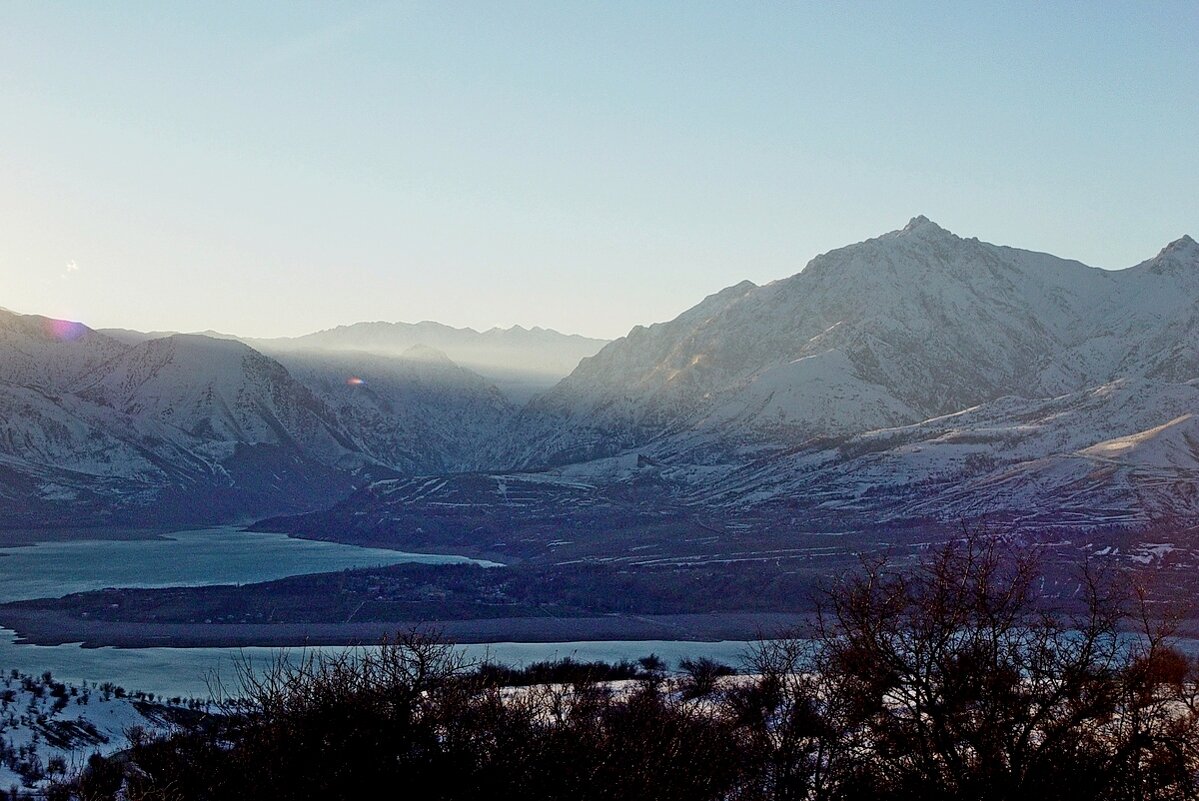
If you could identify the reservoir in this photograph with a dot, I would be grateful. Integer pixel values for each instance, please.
(229, 555)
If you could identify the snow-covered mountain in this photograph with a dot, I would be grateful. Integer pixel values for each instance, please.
(219, 394)
(909, 326)
(917, 376)
(172, 428)
(192, 427)
(50, 354)
(917, 379)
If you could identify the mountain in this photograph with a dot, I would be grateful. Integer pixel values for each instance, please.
(520, 361)
(190, 427)
(418, 412)
(219, 393)
(1118, 455)
(917, 379)
(911, 325)
(38, 351)
(892, 388)
(181, 427)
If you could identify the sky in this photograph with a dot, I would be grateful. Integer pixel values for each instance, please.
(277, 168)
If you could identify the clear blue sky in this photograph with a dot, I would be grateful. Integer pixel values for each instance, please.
(278, 168)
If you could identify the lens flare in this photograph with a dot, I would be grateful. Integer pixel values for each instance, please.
(64, 330)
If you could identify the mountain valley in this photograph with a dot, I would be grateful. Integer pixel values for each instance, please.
(888, 394)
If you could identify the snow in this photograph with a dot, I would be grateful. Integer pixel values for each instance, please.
(942, 375)
(1172, 445)
(918, 372)
(43, 721)
(908, 326)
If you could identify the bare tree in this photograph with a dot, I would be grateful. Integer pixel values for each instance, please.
(956, 680)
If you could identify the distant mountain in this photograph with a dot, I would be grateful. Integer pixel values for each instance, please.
(131, 337)
(417, 413)
(521, 361)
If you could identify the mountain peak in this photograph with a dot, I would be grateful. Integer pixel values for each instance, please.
(1184, 244)
(923, 226)
(1180, 256)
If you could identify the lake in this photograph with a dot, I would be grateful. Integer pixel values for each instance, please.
(228, 555)
(221, 555)
(187, 671)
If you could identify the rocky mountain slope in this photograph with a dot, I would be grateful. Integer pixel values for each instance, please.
(911, 325)
(178, 427)
(188, 427)
(50, 355)
(913, 380)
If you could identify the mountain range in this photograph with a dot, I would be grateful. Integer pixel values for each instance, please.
(126, 427)
(912, 379)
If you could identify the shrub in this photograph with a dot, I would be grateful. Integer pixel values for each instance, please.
(948, 680)
(954, 681)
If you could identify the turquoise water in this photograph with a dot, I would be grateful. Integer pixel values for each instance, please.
(228, 555)
(223, 555)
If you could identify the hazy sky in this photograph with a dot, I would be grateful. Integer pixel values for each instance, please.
(278, 168)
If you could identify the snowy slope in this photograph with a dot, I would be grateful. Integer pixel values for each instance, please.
(173, 428)
(919, 322)
(1149, 324)
(50, 354)
(63, 430)
(219, 394)
(49, 729)
(1069, 459)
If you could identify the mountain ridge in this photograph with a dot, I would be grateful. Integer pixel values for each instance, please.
(912, 381)
(915, 375)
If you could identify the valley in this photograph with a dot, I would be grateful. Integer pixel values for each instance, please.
(722, 464)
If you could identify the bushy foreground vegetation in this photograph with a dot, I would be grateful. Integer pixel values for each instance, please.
(948, 681)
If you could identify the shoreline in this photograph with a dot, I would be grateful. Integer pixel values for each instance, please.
(42, 628)
(24, 537)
